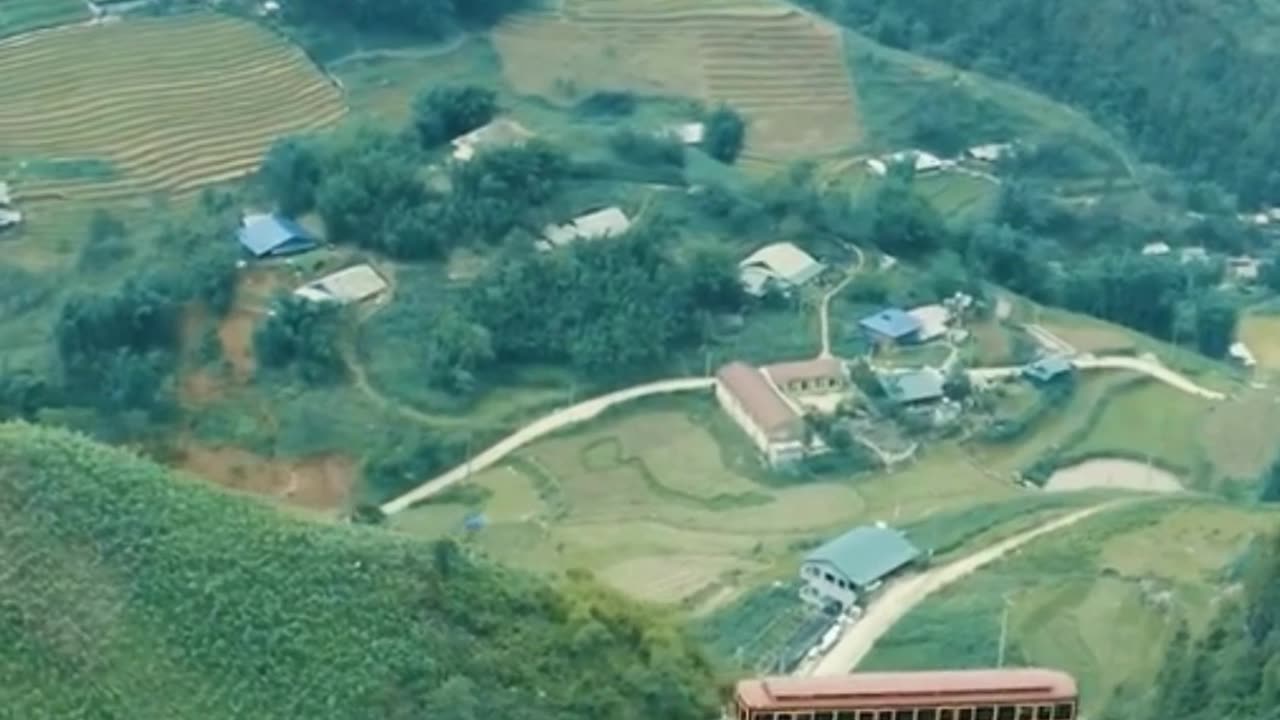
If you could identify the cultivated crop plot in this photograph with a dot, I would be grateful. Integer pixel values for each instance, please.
(147, 105)
(782, 68)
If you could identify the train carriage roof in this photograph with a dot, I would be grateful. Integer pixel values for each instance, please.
(960, 687)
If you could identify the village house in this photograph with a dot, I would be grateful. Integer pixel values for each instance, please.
(1048, 369)
(836, 574)
(9, 216)
(1156, 249)
(272, 235)
(989, 153)
(934, 321)
(351, 285)
(922, 161)
(1244, 269)
(913, 387)
(891, 326)
(774, 426)
(686, 133)
(502, 132)
(781, 266)
(608, 222)
(804, 377)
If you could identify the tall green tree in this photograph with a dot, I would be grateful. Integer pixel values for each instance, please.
(726, 134)
(445, 112)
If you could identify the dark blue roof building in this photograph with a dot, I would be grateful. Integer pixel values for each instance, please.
(891, 324)
(273, 236)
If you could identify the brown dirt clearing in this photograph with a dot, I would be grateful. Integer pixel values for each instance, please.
(318, 483)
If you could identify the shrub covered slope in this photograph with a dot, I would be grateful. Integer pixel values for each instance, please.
(126, 592)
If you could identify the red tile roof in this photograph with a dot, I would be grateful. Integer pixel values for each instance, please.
(875, 690)
(767, 409)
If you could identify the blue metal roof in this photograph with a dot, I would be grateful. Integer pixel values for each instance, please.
(891, 323)
(266, 235)
(866, 554)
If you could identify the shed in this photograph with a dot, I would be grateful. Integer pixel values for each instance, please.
(913, 386)
(865, 555)
(989, 153)
(933, 321)
(609, 222)
(687, 133)
(5, 197)
(891, 324)
(1156, 249)
(9, 218)
(273, 236)
(781, 262)
(1046, 369)
(502, 132)
(351, 285)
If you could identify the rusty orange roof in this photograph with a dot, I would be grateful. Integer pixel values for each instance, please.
(944, 687)
(768, 410)
(786, 372)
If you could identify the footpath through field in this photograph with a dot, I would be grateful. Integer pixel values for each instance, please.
(824, 310)
(901, 596)
(558, 420)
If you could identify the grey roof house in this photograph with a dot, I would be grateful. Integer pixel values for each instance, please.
(837, 572)
(1047, 369)
(913, 386)
(273, 236)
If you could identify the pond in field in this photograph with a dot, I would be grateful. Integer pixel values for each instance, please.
(1114, 473)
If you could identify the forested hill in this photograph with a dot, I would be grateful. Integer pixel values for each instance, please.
(126, 592)
(1173, 75)
(1232, 672)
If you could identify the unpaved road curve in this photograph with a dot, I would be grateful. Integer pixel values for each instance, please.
(1153, 369)
(558, 420)
(900, 597)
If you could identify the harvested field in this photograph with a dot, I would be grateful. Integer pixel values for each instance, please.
(783, 69)
(195, 100)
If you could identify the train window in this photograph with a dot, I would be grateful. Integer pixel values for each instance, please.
(985, 712)
(927, 714)
(886, 715)
(783, 716)
(904, 715)
(1044, 712)
(1026, 713)
(1006, 712)
(947, 714)
(1064, 711)
(824, 715)
(847, 715)
(763, 716)
(866, 715)
(966, 713)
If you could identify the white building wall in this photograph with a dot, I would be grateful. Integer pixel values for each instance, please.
(739, 414)
(822, 587)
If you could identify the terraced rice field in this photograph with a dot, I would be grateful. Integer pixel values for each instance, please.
(170, 105)
(18, 16)
(783, 69)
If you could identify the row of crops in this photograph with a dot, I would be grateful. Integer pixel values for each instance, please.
(766, 631)
(169, 104)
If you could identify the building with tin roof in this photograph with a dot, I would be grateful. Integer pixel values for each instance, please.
(842, 569)
(774, 425)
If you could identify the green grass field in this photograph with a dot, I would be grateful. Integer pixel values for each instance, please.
(19, 16)
(1261, 333)
(1098, 600)
(1148, 420)
(666, 501)
(196, 100)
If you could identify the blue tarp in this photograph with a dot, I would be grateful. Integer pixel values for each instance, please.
(268, 235)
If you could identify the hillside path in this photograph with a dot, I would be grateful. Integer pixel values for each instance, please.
(1150, 368)
(824, 308)
(902, 596)
(558, 420)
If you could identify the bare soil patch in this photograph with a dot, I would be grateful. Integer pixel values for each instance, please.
(1114, 474)
(323, 482)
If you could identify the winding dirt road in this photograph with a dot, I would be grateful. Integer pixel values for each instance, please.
(902, 596)
(824, 309)
(558, 420)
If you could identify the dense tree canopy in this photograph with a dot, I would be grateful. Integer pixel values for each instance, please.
(432, 18)
(1178, 80)
(302, 335)
(445, 112)
(726, 133)
(133, 593)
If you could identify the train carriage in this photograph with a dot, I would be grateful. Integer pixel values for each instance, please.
(1014, 694)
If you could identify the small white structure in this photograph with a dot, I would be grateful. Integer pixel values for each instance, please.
(1156, 249)
(352, 285)
(934, 321)
(922, 161)
(1189, 255)
(877, 167)
(989, 153)
(5, 197)
(609, 222)
(9, 218)
(756, 406)
(1244, 269)
(780, 265)
(1241, 353)
(269, 8)
(502, 132)
(687, 133)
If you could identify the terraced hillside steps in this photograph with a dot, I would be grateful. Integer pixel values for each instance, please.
(782, 68)
(196, 100)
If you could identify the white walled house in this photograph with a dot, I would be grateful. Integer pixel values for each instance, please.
(756, 406)
(840, 571)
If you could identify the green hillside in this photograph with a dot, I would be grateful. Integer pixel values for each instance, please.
(128, 592)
